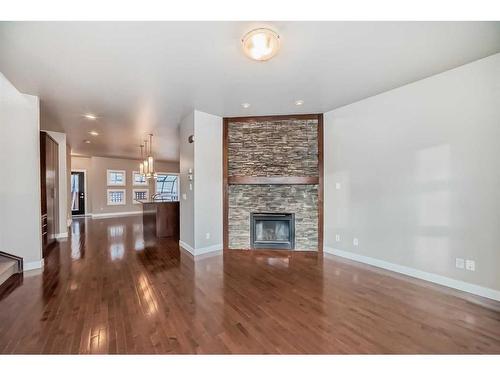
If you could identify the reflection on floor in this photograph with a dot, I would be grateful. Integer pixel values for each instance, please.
(103, 291)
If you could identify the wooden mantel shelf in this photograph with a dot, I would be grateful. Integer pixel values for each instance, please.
(273, 180)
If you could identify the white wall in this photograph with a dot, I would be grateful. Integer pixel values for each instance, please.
(201, 206)
(186, 162)
(419, 168)
(208, 180)
(60, 139)
(20, 205)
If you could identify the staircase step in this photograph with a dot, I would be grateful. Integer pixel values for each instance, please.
(8, 267)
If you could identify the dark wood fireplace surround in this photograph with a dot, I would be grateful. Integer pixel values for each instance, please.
(272, 180)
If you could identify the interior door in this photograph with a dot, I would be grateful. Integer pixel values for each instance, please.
(77, 193)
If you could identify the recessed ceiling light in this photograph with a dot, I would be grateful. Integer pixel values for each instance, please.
(245, 105)
(261, 44)
(86, 141)
(299, 102)
(93, 133)
(90, 116)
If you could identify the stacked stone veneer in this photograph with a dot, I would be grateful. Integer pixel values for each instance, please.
(273, 148)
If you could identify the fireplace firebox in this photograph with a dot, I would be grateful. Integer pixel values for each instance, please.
(272, 231)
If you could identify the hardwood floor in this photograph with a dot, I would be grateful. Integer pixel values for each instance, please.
(103, 291)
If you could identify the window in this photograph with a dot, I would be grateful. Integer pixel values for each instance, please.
(116, 197)
(167, 186)
(139, 179)
(116, 178)
(140, 195)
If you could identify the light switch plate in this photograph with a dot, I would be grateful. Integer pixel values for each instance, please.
(460, 263)
(470, 265)
(337, 185)
(355, 242)
(337, 237)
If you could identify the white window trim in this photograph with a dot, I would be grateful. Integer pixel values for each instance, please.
(109, 171)
(124, 202)
(138, 184)
(171, 173)
(134, 201)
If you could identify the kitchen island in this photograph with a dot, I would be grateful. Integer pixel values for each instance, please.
(160, 219)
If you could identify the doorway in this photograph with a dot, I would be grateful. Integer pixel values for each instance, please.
(78, 193)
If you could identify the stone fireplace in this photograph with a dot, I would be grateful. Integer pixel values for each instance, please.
(273, 177)
(272, 231)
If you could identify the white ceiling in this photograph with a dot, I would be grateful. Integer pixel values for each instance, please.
(145, 76)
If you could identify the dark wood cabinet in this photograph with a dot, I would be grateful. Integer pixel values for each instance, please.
(49, 178)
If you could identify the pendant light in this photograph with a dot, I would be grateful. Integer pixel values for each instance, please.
(151, 169)
(145, 161)
(141, 165)
(148, 161)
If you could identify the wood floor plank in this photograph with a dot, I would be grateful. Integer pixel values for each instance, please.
(102, 291)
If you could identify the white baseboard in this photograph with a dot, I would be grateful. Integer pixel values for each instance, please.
(115, 214)
(413, 272)
(61, 235)
(201, 250)
(208, 249)
(33, 265)
(187, 247)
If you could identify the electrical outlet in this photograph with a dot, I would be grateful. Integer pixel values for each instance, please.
(355, 242)
(337, 237)
(207, 236)
(460, 263)
(470, 265)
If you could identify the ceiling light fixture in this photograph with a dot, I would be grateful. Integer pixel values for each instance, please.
(93, 133)
(260, 44)
(86, 141)
(245, 105)
(299, 102)
(90, 116)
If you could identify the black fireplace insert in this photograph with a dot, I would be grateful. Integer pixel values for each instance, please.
(272, 231)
